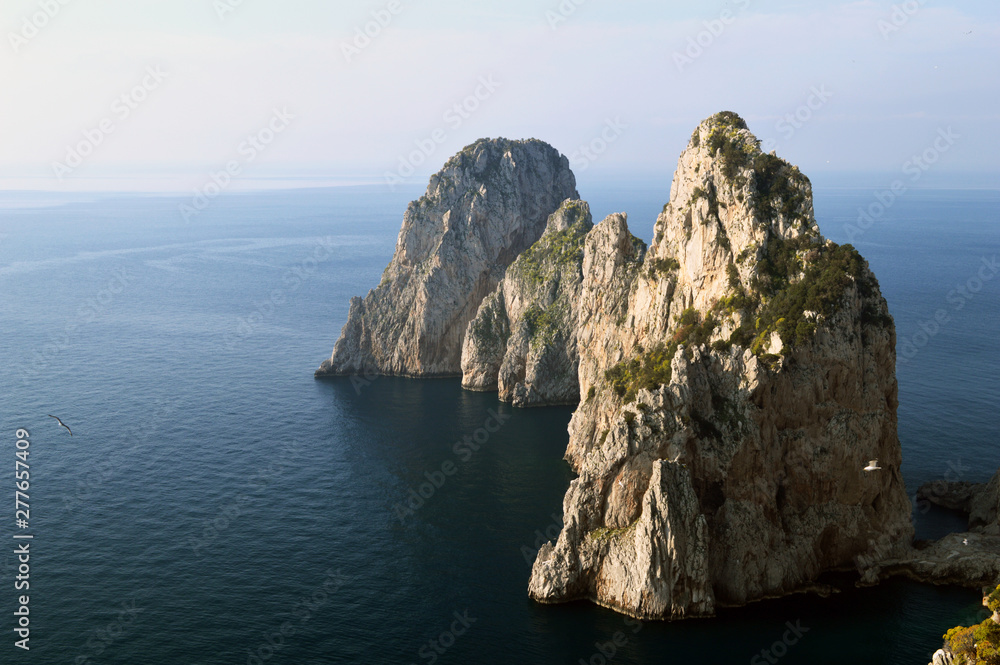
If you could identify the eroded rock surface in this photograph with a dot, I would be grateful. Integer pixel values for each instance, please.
(486, 206)
(522, 341)
(735, 377)
(980, 500)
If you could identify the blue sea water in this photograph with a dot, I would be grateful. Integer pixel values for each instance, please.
(215, 504)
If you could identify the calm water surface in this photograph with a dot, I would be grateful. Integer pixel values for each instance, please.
(214, 494)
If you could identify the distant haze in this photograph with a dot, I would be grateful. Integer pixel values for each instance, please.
(142, 94)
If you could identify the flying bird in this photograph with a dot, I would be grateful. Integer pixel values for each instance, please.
(61, 423)
(873, 466)
(965, 541)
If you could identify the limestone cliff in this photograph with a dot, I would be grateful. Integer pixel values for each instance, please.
(736, 378)
(523, 339)
(486, 206)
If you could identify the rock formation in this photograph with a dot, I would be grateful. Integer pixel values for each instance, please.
(733, 378)
(960, 559)
(486, 206)
(736, 377)
(980, 500)
(970, 559)
(523, 340)
(977, 644)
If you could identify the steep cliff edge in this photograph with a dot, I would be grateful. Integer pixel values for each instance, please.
(737, 376)
(487, 205)
(522, 342)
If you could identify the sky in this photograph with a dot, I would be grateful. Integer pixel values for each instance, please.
(158, 94)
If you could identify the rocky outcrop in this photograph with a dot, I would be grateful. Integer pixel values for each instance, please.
(522, 341)
(736, 377)
(980, 500)
(942, 657)
(970, 559)
(976, 644)
(486, 206)
(961, 559)
(984, 508)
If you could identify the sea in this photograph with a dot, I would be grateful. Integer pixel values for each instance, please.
(215, 504)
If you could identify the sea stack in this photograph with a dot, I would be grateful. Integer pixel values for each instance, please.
(487, 205)
(522, 342)
(735, 378)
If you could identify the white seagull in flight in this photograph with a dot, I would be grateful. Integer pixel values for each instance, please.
(873, 466)
(61, 423)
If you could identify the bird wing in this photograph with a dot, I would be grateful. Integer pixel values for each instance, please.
(59, 420)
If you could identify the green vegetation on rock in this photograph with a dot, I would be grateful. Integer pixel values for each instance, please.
(651, 369)
(795, 282)
(665, 266)
(980, 644)
(553, 252)
(735, 148)
(489, 330)
(544, 325)
(605, 534)
(779, 186)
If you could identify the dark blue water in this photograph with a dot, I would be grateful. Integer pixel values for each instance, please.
(215, 504)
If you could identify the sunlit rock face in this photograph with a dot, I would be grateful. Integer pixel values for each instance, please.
(735, 378)
(487, 205)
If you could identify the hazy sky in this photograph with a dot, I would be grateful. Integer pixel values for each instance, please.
(629, 79)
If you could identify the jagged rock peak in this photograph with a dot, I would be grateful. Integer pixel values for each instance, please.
(522, 341)
(489, 203)
(728, 201)
(569, 213)
(734, 378)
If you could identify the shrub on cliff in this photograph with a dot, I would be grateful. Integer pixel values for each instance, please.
(980, 644)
